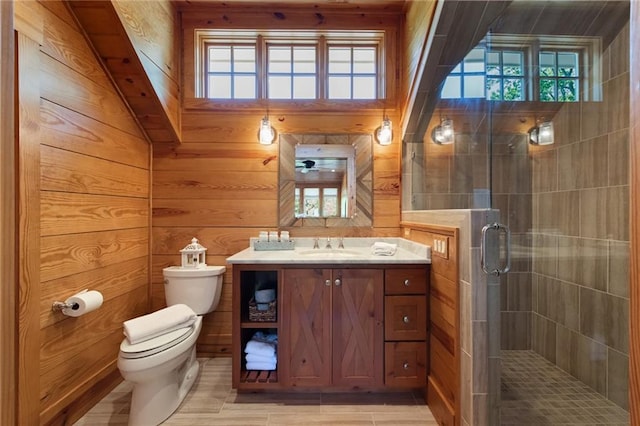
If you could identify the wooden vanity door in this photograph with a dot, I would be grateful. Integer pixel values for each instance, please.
(358, 312)
(306, 328)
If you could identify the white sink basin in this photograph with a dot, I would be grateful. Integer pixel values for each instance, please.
(330, 253)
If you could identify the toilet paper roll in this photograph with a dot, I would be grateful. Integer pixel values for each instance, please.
(83, 302)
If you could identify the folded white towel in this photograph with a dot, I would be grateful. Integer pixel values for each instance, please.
(260, 358)
(260, 348)
(261, 365)
(158, 323)
(383, 249)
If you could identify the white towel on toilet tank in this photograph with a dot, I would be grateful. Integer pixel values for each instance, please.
(158, 323)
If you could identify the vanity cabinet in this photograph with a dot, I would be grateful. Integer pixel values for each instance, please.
(339, 327)
(334, 328)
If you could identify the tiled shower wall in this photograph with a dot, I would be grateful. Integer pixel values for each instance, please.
(580, 279)
(567, 295)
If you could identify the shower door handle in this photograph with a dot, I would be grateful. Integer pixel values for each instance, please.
(500, 228)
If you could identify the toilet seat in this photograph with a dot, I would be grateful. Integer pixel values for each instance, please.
(155, 345)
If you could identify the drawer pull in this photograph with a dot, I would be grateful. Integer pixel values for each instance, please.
(327, 283)
(338, 282)
(405, 319)
(405, 365)
(406, 282)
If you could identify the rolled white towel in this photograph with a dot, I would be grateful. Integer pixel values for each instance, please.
(260, 348)
(261, 365)
(260, 358)
(158, 323)
(383, 249)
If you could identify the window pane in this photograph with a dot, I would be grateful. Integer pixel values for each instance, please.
(330, 202)
(474, 61)
(547, 64)
(312, 202)
(494, 90)
(493, 63)
(339, 88)
(513, 89)
(568, 90)
(451, 88)
(474, 86)
(547, 90)
(279, 59)
(244, 59)
(567, 64)
(304, 87)
(219, 59)
(512, 63)
(244, 87)
(364, 60)
(304, 60)
(364, 87)
(457, 69)
(339, 60)
(296, 208)
(219, 87)
(279, 87)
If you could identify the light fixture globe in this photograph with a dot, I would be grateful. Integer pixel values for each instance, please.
(542, 134)
(443, 134)
(266, 134)
(384, 133)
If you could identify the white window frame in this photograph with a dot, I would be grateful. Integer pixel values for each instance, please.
(589, 50)
(289, 37)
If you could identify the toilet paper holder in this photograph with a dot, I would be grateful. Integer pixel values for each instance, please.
(59, 306)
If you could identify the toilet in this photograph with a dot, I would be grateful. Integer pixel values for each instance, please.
(163, 368)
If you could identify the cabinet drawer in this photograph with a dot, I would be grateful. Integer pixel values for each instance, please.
(405, 281)
(405, 364)
(405, 317)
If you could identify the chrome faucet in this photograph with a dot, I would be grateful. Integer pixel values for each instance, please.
(328, 246)
(315, 243)
(341, 243)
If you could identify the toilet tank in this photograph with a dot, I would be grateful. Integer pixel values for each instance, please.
(198, 288)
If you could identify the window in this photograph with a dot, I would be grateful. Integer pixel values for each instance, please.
(317, 201)
(231, 71)
(291, 72)
(352, 72)
(500, 73)
(505, 76)
(559, 76)
(290, 65)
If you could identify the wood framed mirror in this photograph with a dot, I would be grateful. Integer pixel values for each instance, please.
(325, 180)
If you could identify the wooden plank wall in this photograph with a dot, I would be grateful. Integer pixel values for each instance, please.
(8, 291)
(152, 28)
(92, 216)
(443, 389)
(221, 186)
(634, 340)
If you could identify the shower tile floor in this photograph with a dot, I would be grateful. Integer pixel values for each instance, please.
(536, 392)
(212, 401)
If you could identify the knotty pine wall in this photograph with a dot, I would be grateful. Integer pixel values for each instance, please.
(85, 216)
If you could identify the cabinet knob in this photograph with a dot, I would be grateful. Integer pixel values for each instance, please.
(405, 319)
(327, 283)
(338, 282)
(406, 282)
(405, 365)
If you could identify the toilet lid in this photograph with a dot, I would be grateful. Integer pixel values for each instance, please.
(155, 345)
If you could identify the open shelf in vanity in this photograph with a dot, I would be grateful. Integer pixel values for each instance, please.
(249, 320)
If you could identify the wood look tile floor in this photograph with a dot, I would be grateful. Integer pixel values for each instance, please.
(213, 402)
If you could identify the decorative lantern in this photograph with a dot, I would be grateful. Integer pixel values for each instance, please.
(193, 255)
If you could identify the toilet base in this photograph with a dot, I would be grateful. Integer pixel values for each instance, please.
(154, 401)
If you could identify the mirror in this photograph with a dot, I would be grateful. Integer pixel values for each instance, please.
(325, 180)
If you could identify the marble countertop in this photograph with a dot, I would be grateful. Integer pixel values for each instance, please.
(356, 251)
